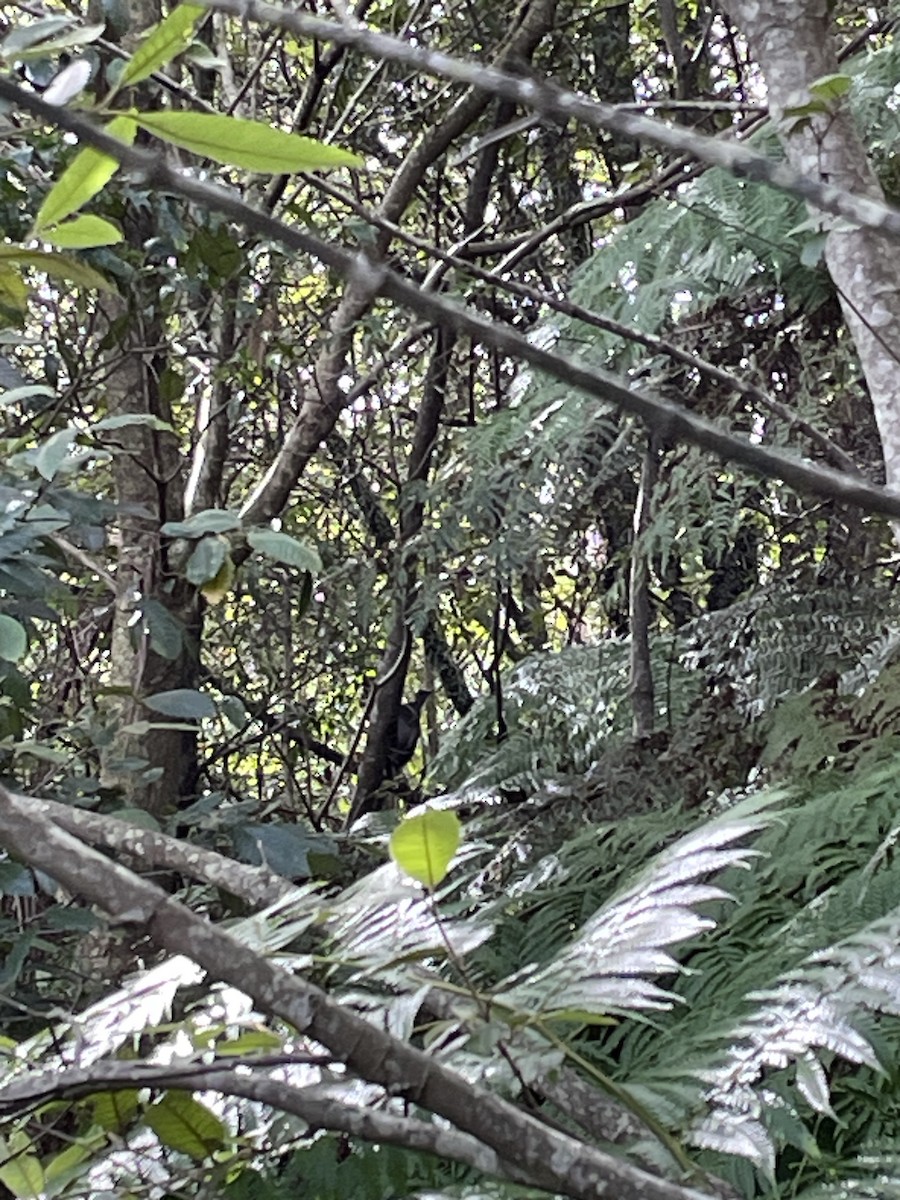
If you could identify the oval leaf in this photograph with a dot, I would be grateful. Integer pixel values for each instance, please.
(69, 83)
(50, 455)
(210, 520)
(13, 639)
(181, 702)
(205, 561)
(83, 232)
(423, 845)
(163, 43)
(235, 142)
(285, 549)
(184, 1124)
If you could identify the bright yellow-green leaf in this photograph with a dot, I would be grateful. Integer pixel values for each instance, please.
(216, 589)
(13, 292)
(81, 232)
(20, 1170)
(239, 143)
(251, 1042)
(579, 1015)
(831, 87)
(65, 1165)
(87, 174)
(163, 43)
(57, 266)
(184, 1124)
(423, 845)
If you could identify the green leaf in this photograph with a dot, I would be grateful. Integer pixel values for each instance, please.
(163, 43)
(18, 394)
(13, 639)
(210, 520)
(80, 36)
(26, 36)
(166, 633)
(251, 1042)
(424, 845)
(184, 1124)
(831, 87)
(20, 1169)
(83, 232)
(13, 295)
(115, 1111)
(50, 455)
(57, 266)
(181, 702)
(235, 142)
(207, 558)
(120, 420)
(285, 549)
(86, 175)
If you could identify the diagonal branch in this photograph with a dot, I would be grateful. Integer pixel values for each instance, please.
(669, 419)
(548, 1158)
(544, 97)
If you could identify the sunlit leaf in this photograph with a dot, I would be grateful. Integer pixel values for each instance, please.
(20, 1168)
(86, 175)
(163, 43)
(423, 845)
(82, 232)
(57, 266)
(236, 142)
(69, 83)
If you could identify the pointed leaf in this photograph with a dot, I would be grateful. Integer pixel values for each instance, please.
(235, 142)
(83, 232)
(285, 549)
(57, 266)
(26, 36)
(20, 1168)
(86, 175)
(163, 43)
(120, 420)
(424, 845)
(184, 1124)
(181, 702)
(80, 36)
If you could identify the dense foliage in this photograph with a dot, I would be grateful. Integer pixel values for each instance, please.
(250, 500)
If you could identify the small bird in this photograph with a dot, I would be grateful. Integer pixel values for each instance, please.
(405, 735)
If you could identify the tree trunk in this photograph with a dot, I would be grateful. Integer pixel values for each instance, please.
(793, 44)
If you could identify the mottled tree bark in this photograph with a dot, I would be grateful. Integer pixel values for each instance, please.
(794, 45)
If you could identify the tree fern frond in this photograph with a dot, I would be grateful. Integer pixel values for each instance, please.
(386, 918)
(608, 966)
